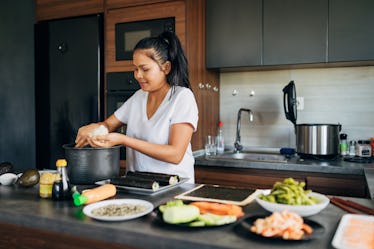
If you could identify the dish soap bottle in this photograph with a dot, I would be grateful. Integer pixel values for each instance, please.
(61, 187)
(220, 139)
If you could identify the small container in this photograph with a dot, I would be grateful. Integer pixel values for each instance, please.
(45, 184)
(61, 187)
(58, 190)
(210, 146)
(343, 144)
(363, 148)
(352, 148)
(220, 139)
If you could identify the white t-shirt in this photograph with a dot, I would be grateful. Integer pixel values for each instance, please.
(180, 108)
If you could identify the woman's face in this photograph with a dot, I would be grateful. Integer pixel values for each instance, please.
(148, 73)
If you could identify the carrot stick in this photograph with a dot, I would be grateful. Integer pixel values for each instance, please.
(218, 208)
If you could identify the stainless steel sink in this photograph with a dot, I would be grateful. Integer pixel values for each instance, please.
(250, 156)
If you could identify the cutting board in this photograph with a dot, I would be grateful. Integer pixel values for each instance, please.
(221, 194)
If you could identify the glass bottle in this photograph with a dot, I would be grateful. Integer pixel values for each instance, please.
(61, 187)
(343, 144)
(220, 139)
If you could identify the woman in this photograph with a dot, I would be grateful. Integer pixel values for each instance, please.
(161, 117)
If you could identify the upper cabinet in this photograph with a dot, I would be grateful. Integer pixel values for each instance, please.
(233, 33)
(294, 31)
(55, 9)
(351, 30)
(113, 17)
(256, 33)
(114, 4)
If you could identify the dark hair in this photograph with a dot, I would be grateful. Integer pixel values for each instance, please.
(167, 47)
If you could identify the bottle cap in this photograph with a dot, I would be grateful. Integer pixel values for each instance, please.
(220, 123)
(61, 163)
(343, 136)
(79, 199)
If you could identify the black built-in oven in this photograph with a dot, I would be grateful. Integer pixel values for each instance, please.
(129, 33)
(120, 87)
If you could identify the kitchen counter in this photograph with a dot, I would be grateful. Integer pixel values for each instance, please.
(295, 163)
(23, 208)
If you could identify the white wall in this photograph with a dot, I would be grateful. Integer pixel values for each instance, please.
(331, 95)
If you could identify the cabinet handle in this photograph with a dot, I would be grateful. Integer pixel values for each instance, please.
(201, 85)
(215, 89)
(208, 86)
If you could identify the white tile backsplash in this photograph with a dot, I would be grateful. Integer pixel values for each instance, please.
(342, 95)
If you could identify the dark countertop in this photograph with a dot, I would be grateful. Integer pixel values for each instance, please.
(295, 163)
(23, 207)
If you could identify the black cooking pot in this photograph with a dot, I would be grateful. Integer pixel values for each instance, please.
(321, 140)
(87, 165)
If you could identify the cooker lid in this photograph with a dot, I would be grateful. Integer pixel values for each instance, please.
(289, 102)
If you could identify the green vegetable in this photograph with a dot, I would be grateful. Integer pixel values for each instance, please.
(180, 214)
(29, 178)
(170, 204)
(196, 223)
(216, 220)
(289, 192)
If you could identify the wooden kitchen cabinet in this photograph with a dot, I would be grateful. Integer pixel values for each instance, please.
(351, 35)
(329, 184)
(295, 31)
(139, 13)
(115, 4)
(190, 28)
(205, 84)
(55, 9)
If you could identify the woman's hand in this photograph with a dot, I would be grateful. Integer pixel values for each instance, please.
(108, 140)
(84, 133)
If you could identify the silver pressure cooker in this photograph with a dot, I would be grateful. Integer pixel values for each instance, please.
(312, 140)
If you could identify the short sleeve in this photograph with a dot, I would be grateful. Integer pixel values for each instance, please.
(186, 110)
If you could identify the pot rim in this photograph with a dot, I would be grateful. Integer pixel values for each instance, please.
(316, 124)
(71, 147)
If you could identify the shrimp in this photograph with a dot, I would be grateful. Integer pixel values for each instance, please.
(287, 225)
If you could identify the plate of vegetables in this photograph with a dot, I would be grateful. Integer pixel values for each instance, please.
(286, 226)
(198, 214)
(291, 196)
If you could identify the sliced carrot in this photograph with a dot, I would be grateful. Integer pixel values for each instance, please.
(218, 208)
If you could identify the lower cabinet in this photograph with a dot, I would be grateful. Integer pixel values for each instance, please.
(22, 237)
(329, 184)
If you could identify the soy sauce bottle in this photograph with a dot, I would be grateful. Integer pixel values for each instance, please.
(61, 187)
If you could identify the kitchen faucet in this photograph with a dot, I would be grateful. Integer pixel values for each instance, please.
(237, 145)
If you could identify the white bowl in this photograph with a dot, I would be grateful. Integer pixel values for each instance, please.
(8, 179)
(302, 210)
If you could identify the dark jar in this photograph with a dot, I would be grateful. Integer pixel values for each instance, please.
(58, 190)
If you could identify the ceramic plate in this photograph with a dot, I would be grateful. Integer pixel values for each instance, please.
(88, 210)
(245, 225)
(354, 231)
(302, 210)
